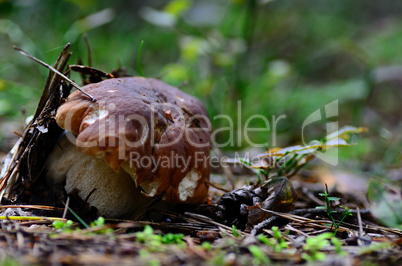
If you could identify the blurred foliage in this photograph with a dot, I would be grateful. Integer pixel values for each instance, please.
(276, 57)
(386, 203)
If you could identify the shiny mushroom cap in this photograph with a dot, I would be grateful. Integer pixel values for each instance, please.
(158, 134)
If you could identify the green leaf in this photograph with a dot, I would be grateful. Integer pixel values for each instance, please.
(277, 233)
(345, 132)
(259, 256)
(207, 245)
(245, 162)
(337, 243)
(65, 226)
(98, 222)
(333, 198)
(173, 238)
(265, 240)
(148, 230)
(177, 7)
(386, 203)
(234, 231)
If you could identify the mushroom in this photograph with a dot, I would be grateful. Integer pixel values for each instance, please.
(92, 178)
(141, 139)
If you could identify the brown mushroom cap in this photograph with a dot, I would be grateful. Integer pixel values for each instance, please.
(155, 132)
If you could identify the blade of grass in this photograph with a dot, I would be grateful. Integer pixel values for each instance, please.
(139, 68)
(79, 218)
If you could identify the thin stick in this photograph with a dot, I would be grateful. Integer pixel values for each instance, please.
(36, 207)
(89, 50)
(181, 85)
(217, 187)
(291, 228)
(359, 220)
(206, 219)
(66, 207)
(55, 71)
(360, 224)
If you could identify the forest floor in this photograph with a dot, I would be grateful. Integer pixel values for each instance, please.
(303, 235)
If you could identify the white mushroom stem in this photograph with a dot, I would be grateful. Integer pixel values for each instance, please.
(114, 194)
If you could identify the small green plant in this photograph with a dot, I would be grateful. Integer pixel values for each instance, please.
(278, 243)
(155, 242)
(235, 232)
(338, 246)
(218, 259)
(147, 257)
(328, 200)
(147, 236)
(9, 261)
(207, 245)
(314, 245)
(259, 256)
(101, 222)
(173, 239)
(67, 227)
(98, 222)
(63, 226)
(266, 240)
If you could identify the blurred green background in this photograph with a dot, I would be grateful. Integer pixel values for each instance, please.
(275, 57)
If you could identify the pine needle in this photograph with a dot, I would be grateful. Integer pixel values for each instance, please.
(31, 218)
